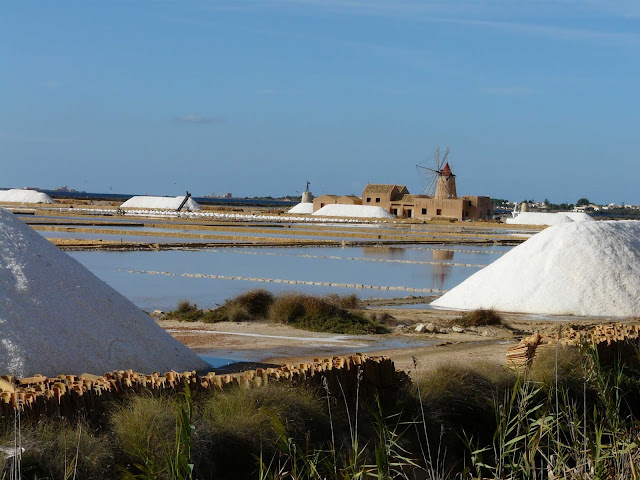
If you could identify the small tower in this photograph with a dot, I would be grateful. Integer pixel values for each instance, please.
(446, 183)
(524, 207)
(307, 196)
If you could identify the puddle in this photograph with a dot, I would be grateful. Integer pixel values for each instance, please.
(319, 348)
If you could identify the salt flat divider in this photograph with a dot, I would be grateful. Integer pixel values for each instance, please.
(335, 257)
(291, 282)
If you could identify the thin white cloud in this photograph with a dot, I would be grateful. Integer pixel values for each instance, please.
(552, 32)
(198, 119)
(505, 15)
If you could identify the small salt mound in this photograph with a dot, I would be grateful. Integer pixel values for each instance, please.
(302, 208)
(57, 317)
(360, 211)
(160, 203)
(579, 216)
(17, 195)
(540, 218)
(579, 268)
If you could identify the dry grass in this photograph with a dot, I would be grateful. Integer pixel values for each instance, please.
(144, 429)
(50, 451)
(480, 318)
(320, 314)
(327, 314)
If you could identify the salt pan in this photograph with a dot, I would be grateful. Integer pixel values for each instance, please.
(578, 268)
(57, 317)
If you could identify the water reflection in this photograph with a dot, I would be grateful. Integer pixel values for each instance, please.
(441, 271)
(383, 252)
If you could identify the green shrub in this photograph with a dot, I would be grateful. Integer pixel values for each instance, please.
(320, 314)
(566, 364)
(256, 302)
(237, 426)
(50, 451)
(186, 312)
(252, 305)
(144, 429)
(462, 396)
(480, 318)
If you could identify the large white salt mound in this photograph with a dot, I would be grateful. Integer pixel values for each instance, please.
(16, 195)
(57, 317)
(540, 218)
(160, 203)
(360, 211)
(302, 208)
(578, 268)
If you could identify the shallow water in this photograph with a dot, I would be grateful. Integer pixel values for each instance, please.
(350, 344)
(374, 266)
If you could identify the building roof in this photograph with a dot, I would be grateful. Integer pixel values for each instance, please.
(408, 197)
(446, 171)
(352, 197)
(381, 188)
(328, 195)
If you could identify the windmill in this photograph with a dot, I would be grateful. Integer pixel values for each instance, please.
(441, 182)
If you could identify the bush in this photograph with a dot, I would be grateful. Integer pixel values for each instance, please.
(461, 398)
(327, 314)
(237, 426)
(256, 302)
(570, 371)
(480, 318)
(50, 451)
(252, 305)
(382, 317)
(144, 429)
(320, 314)
(186, 312)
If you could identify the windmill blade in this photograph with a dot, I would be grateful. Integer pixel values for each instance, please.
(436, 157)
(444, 158)
(427, 168)
(431, 187)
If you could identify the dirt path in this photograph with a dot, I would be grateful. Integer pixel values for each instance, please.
(279, 344)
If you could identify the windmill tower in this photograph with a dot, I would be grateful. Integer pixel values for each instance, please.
(441, 180)
(307, 196)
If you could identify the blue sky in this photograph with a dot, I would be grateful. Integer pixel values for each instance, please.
(536, 99)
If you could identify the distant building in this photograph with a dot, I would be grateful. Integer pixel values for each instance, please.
(397, 200)
(349, 200)
(323, 200)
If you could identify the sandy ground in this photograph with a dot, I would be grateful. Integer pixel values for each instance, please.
(274, 344)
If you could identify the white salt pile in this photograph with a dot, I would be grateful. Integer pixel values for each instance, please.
(16, 195)
(302, 208)
(57, 317)
(579, 216)
(546, 218)
(160, 203)
(578, 268)
(358, 211)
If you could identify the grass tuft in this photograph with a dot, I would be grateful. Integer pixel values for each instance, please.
(144, 429)
(480, 318)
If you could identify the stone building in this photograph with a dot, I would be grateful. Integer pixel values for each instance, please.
(397, 200)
